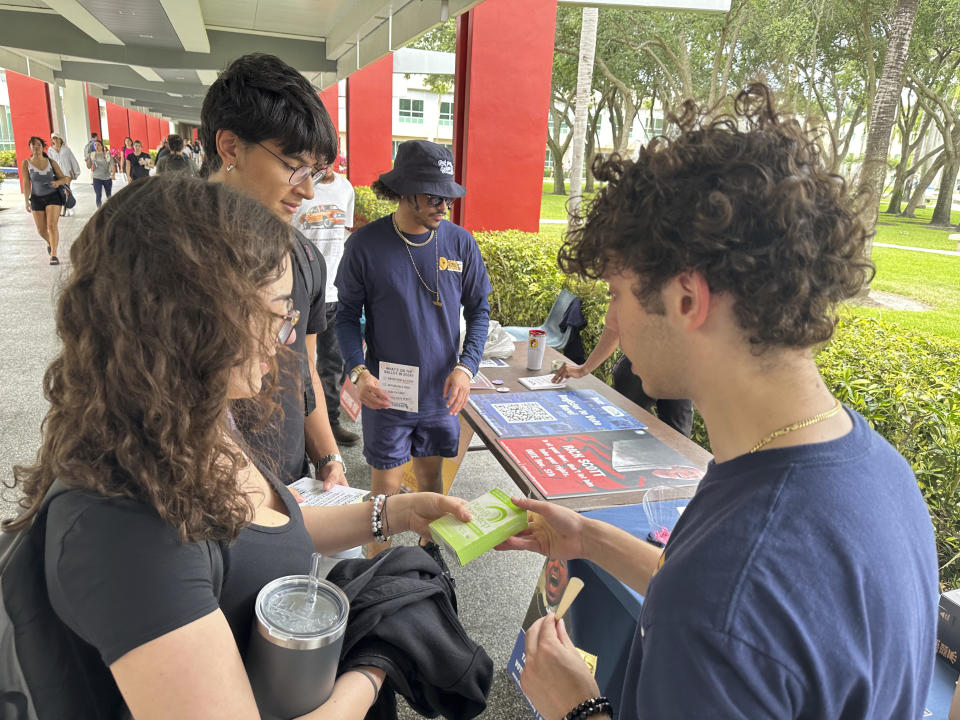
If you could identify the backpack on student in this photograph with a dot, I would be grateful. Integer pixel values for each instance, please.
(42, 662)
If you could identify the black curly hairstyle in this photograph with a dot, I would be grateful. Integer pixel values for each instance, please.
(745, 200)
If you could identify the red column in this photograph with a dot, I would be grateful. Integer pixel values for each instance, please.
(194, 134)
(118, 124)
(29, 112)
(330, 100)
(370, 122)
(164, 129)
(153, 132)
(93, 114)
(498, 143)
(138, 127)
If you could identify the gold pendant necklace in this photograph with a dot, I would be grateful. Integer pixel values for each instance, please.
(798, 425)
(407, 245)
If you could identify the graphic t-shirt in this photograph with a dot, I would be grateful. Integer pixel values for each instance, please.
(385, 277)
(800, 582)
(325, 220)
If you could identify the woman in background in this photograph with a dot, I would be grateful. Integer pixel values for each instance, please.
(41, 179)
(103, 169)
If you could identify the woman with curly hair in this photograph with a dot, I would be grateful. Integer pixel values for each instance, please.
(159, 337)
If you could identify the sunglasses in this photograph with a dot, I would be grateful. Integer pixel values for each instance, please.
(436, 201)
(299, 174)
(290, 318)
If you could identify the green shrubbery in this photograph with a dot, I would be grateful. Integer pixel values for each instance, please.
(367, 207)
(8, 158)
(906, 384)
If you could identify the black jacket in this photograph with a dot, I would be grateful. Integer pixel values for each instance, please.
(403, 619)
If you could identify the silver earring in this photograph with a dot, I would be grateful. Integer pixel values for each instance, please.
(229, 167)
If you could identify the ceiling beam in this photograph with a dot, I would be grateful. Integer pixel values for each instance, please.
(122, 76)
(84, 20)
(18, 62)
(155, 96)
(187, 20)
(40, 32)
(410, 21)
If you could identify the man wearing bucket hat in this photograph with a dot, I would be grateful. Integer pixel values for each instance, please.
(411, 272)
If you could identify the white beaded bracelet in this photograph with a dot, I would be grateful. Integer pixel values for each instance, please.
(376, 518)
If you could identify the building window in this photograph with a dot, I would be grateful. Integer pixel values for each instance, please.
(411, 111)
(396, 144)
(652, 128)
(564, 127)
(446, 113)
(548, 163)
(6, 129)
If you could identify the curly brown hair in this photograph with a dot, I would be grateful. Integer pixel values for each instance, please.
(383, 192)
(745, 200)
(162, 303)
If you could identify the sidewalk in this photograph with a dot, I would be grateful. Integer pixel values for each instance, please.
(493, 591)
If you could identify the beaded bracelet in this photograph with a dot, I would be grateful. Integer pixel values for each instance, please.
(589, 708)
(376, 518)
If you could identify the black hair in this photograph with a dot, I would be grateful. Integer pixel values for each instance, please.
(383, 192)
(260, 97)
(43, 144)
(94, 135)
(137, 141)
(175, 142)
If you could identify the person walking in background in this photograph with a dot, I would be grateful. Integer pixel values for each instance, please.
(325, 220)
(412, 272)
(163, 150)
(175, 161)
(65, 159)
(678, 414)
(89, 147)
(41, 179)
(127, 151)
(103, 169)
(138, 162)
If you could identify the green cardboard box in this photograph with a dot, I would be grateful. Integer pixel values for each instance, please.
(495, 519)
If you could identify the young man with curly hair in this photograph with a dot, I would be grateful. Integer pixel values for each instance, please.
(801, 580)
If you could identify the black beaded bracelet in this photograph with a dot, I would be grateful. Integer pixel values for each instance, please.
(589, 708)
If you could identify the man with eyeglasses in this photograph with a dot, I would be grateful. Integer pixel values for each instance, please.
(325, 221)
(270, 137)
(411, 272)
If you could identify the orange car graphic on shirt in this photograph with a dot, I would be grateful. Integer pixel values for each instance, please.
(322, 216)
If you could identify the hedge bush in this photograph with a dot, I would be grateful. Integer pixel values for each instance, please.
(367, 207)
(8, 158)
(906, 384)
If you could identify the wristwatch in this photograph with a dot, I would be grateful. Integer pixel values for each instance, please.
(357, 372)
(326, 460)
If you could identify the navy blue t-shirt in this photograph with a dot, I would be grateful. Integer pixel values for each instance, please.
(403, 325)
(800, 582)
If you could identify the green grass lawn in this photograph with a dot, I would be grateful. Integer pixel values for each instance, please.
(932, 279)
(916, 232)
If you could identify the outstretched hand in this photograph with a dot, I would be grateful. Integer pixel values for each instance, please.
(568, 370)
(415, 511)
(554, 531)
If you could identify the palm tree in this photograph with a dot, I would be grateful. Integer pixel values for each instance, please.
(588, 46)
(885, 105)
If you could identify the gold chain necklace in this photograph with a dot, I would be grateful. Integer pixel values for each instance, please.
(436, 248)
(404, 237)
(798, 425)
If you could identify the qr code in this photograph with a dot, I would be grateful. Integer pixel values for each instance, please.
(524, 412)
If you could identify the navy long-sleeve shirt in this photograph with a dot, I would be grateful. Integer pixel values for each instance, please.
(403, 325)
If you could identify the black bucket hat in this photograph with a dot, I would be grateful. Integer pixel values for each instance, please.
(423, 167)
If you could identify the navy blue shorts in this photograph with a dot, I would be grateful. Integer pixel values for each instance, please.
(391, 437)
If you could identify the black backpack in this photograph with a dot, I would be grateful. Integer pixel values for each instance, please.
(45, 669)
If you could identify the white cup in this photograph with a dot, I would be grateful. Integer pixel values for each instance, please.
(536, 345)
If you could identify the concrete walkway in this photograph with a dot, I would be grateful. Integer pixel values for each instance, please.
(493, 590)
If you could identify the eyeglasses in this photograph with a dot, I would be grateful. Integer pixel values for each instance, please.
(436, 201)
(290, 318)
(299, 174)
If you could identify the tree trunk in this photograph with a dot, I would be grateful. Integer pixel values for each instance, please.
(558, 186)
(588, 46)
(948, 180)
(896, 195)
(917, 198)
(885, 105)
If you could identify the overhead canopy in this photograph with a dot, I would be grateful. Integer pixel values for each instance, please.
(160, 55)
